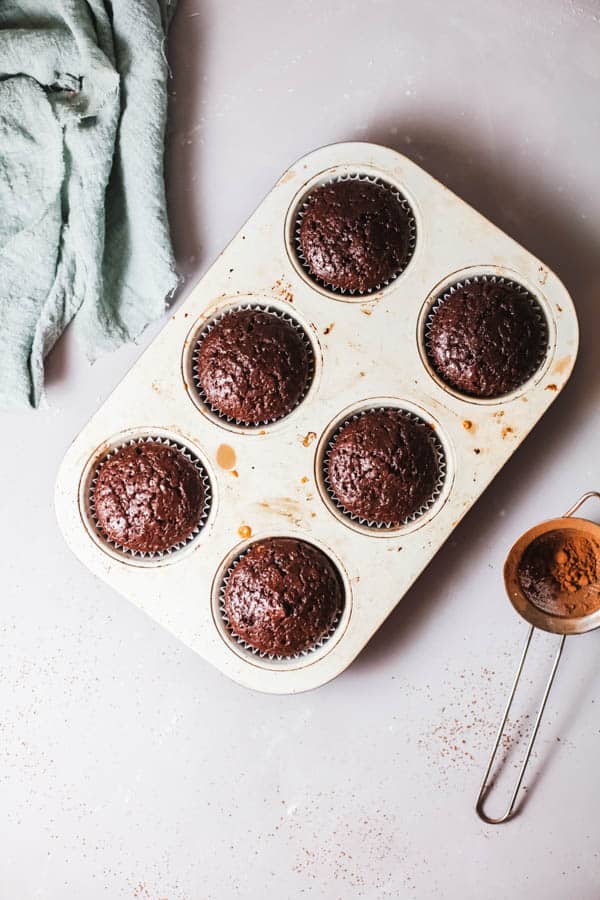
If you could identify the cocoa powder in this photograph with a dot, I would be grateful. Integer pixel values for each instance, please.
(559, 573)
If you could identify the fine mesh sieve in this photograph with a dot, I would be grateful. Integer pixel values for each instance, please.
(537, 618)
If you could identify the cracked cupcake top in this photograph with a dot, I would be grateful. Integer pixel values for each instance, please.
(148, 497)
(354, 234)
(486, 338)
(283, 596)
(253, 366)
(383, 466)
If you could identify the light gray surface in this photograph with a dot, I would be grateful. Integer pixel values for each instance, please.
(130, 768)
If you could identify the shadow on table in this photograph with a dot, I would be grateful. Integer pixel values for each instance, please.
(530, 210)
(187, 45)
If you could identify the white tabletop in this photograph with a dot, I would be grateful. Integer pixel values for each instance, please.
(129, 768)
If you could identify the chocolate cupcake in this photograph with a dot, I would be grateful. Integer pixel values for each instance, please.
(355, 235)
(486, 337)
(253, 366)
(148, 497)
(384, 466)
(282, 597)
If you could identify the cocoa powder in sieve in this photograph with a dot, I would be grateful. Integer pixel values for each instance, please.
(559, 573)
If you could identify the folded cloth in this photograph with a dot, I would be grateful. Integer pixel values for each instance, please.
(83, 225)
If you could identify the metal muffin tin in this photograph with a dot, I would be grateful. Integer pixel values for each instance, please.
(368, 351)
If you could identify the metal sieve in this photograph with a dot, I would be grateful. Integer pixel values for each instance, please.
(536, 618)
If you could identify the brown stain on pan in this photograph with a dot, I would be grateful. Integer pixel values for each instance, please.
(286, 508)
(287, 177)
(225, 456)
(562, 365)
(284, 290)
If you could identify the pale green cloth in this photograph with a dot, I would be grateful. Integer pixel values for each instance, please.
(83, 225)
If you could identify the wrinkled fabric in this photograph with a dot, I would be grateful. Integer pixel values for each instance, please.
(83, 226)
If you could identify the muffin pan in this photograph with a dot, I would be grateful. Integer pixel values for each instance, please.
(269, 479)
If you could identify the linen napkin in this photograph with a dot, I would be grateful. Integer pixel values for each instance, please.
(83, 224)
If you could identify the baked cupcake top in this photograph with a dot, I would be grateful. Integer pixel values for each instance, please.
(283, 596)
(354, 235)
(383, 466)
(148, 497)
(253, 366)
(486, 338)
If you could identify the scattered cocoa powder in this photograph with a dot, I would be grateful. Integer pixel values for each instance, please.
(559, 573)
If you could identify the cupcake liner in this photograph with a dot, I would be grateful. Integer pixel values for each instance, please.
(412, 240)
(156, 554)
(260, 654)
(208, 327)
(374, 524)
(493, 279)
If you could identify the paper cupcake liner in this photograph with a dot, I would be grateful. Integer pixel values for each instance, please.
(259, 654)
(493, 279)
(425, 507)
(208, 327)
(412, 238)
(155, 554)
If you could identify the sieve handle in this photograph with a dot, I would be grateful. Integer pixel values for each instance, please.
(483, 793)
(583, 499)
